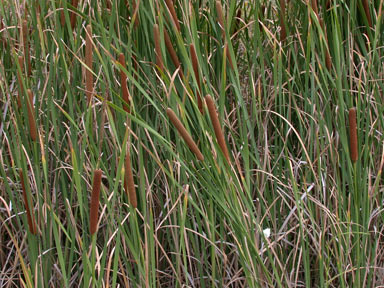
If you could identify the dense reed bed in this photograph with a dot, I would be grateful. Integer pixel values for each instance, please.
(194, 143)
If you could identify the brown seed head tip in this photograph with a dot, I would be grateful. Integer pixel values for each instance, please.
(353, 134)
(94, 213)
(184, 134)
(216, 126)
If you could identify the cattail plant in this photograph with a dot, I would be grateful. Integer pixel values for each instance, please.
(31, 116)
(88, 62)
(353, 134)
(20, 80)
(184, 134)
(128, 180)
(172, 53)
(159, 58)
(26, 46)
(124, 87)
(30, 215)
(73, 14)
(283, 31)
(171, 9)
(94, 208)
(195, 66)
(216, 126)
(367, 13)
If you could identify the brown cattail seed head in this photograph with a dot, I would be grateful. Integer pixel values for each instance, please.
(73, 14)
(30, 215)
(31, 116)
(195, 66)
(283, 31)
(88, 62)
(94, 214)
(220, 16)
(367, 13)
(353, 134)
(216, 126)
(159, 58)
(184, 134)
(172, 53)
(129, 182)
(171, 8)
(124, 87)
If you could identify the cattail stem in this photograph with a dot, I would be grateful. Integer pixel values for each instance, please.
(129, 182)
(30, 215)
(283, 31)
(94, 213)
(195, 66)
(172, 52)
(88, 62)
(184, 134)
(171, 8)
(353, 134)
(31, 116)
(216, 126)
(26, 46)
(124, 87)
(159, 58)
(20, 80)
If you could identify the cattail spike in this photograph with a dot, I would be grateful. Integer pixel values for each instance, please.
(26, 46)
(31, 116)
(353, 134)
(220, 16)
(195, 66)
(73, 14)
(124, 87)
(184, 134)
(94, 213)
(171, 8)
(367, 13)
(88, 62)
(159, 58)
(217, 126)
(30, 215)
(283, 31)
(129, 182)
(172, 52)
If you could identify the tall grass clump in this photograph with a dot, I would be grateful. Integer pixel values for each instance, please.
(131, 177)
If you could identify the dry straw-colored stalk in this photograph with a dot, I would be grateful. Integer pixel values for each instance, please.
(184, 134)
(88, 62)
(195, 66)
(94, 213)
(20, 80)
(128, 180)
(31, 116)
(367, 13)
(124, 87)
(283, 31)
(30, 215)
(353, 134)
(216, 126)
(159, 58)
(171, 8)
(172, 53)
(26, 46)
